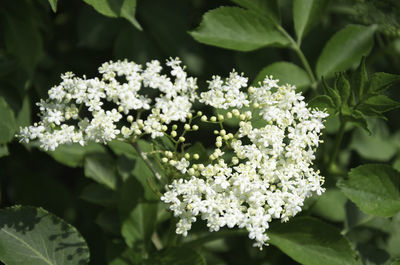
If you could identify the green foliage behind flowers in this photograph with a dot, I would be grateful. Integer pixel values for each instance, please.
(138, 153)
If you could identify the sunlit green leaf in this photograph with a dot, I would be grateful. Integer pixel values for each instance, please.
(375, 146)
(73, 155)
(344, 49)
(53, 4)
(374, 188)
(287, 73)
(331, 205)
(306, 14)
(359, 79)
(237, 29)
(34, 236)
(116, 8)
(312, 242)
(342, 85)
(266, 8)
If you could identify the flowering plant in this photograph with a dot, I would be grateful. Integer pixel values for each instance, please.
(182, 162)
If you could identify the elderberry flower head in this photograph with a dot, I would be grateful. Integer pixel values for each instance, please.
(75, 111)
(270, 174)
(258, 171)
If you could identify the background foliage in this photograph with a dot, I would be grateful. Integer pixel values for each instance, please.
(102, 191)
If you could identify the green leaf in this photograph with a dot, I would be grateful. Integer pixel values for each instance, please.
(331, 205)
(176, 256)
(98, 194)
(53, 4)
(123, 148)
(375, 146)
(4, 151)
(374, 188)
(379, 82)
(287, 73)
(378, 105)
(311, 242)
(237, 29)
(73, 155)
(100, 167)
(109, 221)
(23, 118)
(34, 236)
(7, 122)
(140, 224)
(322, 102)
(23, 39)
(138, 213)
(116, 8)
(359, 79)
(344, 49)
(266, 8)
(357, 119)
(333, 94)
(342, 85)
(306, 14)
(396, 262)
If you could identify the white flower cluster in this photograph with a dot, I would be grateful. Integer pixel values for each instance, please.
(75, 111)
(270, 174)
(261, 171)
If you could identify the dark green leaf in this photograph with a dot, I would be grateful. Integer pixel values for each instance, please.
(53, 4)
(7, 122)
(34, 236)
(344, 49)
(322, 102)
(306, 14)
(374, 188)
(109, 221)
(4, 150)
(357, 119)
(312, 242)
(116, 8)
(237, 29)
(176, 256)
(378, 104)
(73, 155)
(23, 39)
(266, 8)
(98, 194)
(287, 73)
(359, 79)
(379, 82)
(100, 167)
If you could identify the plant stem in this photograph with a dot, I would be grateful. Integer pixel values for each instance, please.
(338, 141)
(296, 47)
